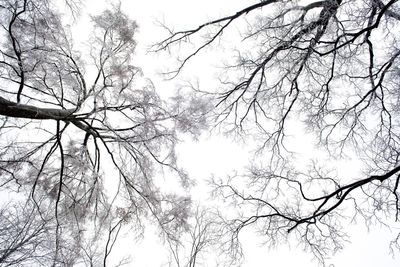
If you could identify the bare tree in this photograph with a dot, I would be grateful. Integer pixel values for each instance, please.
(83, 135)
(199, 243)
(333, 66)
(23, 236)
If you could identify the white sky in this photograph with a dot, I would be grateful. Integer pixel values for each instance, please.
(217, 155)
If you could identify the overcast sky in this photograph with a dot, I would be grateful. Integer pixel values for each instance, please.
(218, 155)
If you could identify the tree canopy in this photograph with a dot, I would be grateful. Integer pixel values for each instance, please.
(87, 143)
(327, 69)
(83, 138)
